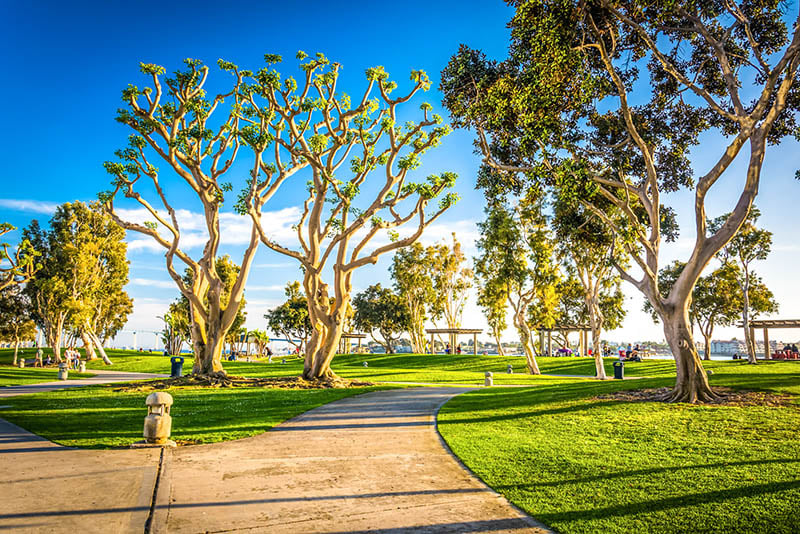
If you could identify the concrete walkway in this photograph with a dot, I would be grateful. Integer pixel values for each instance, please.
(101, 377)
(371, 463)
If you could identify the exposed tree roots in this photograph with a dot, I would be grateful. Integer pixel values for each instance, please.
(722, 397)
(221, 380)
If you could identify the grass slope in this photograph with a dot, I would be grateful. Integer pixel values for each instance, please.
(98, 417)
(585, 465)
(13, 376)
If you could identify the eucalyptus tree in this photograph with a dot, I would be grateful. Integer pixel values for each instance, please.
(494, 303)
(21, 263)
(16, 324)
(591, 251)
(176, 329)
(748, 245)
(562, 110)
(175, 122)
(517, 246)
(379, 308)
(411, 275)
(451, 283)
(84, 268)
(361, 162)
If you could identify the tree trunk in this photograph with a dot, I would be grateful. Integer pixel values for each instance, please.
(500, 351)
(88, 347)
(691, 383)
(748, 339)
(707, 347)
(320, 351)
(53, 336)
(94, 339)
(596, 323)
(526, 339)
(16, 350)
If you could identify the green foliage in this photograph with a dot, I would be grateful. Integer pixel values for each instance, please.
(290, 319)
(379, 308)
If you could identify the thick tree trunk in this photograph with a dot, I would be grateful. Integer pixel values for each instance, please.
(16, 350)
(320, 351)
(691, 384)
(53, 336)
(94, 339)
(208, 353)
(88, 347)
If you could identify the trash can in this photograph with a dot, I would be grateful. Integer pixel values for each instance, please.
(177, 366)
(619, 370)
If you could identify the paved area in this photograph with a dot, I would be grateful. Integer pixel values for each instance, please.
(49, 488)
(371, 463)
(101, 377)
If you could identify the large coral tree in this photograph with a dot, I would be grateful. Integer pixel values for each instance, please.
(361, 183)
(174, 122)
(604, 99)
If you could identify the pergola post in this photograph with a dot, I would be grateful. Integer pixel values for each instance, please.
(433, 350)
(475, 344)
(359, 345)
(752, 338)
(767, 352)
(580, 343)
(549, 343)
(541, 342)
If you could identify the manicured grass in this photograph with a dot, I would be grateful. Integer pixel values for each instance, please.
(98, 417)
(13, 376)
(443, 368)
(584, 465)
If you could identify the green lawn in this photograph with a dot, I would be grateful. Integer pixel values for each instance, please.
(586, 465)
(450, 368)
(98, 417)
(14, 376)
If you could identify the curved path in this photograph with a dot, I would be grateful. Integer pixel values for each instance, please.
(370, 463)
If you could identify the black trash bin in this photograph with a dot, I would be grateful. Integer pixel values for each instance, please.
(619, 370)
(177, 366)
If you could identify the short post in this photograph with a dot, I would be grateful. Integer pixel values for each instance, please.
(767, 351)
(366, 364)
(21, 363)
(158, 422)
(488, 380)
(83, 367)
(509, 369)
(63, 370)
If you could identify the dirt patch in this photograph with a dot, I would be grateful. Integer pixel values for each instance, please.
(220, 380)
(726, 397)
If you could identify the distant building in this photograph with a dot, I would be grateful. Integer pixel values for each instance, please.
(727, 347)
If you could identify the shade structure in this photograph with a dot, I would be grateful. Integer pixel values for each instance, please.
(454, 333)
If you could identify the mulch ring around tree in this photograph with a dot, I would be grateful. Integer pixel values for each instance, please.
(726, 397)
(220, 380)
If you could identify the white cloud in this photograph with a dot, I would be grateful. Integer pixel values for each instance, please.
(35, 206)
(249, 287)
(165, 284)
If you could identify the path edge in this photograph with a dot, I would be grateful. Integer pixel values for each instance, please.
(523, 515)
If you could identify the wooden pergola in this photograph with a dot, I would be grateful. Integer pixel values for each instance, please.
(583, 340)
(453, 333)
(766, 324)
(348, 336)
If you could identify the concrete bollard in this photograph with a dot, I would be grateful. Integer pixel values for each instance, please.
(488, 381)
(83, 367)
(21, 363)
(510, 369)
(158, 423)
(63, 371)
(366, 364)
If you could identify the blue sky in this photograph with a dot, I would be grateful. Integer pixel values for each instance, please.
(66, 63)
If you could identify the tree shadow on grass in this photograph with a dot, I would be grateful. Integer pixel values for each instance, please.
(669, 503)
(641, 472)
